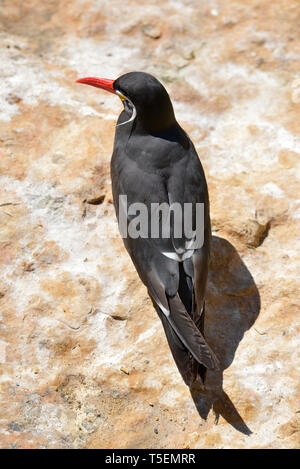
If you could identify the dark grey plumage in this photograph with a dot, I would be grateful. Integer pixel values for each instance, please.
(154, 161)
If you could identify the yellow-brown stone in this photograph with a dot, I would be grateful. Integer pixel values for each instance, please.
(73, 312)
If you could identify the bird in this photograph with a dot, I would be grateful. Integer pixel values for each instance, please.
(154, 162)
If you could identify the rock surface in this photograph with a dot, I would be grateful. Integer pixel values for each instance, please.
(84, 360)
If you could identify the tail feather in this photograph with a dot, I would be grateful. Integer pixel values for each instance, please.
(183, 359)
(189, 367)
(189, 334)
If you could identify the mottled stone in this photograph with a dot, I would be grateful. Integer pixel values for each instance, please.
(84, 360)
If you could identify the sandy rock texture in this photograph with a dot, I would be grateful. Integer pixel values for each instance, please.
(84, 360)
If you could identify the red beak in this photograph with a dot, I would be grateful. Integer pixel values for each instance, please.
(103, 83)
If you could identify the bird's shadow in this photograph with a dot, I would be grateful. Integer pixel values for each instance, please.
(232, 306)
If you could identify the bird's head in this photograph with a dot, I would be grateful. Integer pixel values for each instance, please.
(144, 98)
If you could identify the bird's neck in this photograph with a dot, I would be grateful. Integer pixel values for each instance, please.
(154, 123)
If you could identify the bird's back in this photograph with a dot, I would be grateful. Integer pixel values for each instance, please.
(158, 169)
